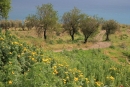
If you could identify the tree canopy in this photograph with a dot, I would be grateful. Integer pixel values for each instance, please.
(5, 6)
(110, 26)
(71, 21)
(47, 17)
(88, 26)
(31, 21)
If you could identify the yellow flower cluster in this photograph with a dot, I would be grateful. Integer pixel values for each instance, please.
(64, 81)
(60, 65)
(46, 60)
(54, 67)
(10, 52)
(98, 83)
(10, 82)
(33, 53)
(24, 49)
(12, 72)
(55, 72)
(1, 38)
(87, 81)
(75, 79)
(15, 43)
(110, 77)
(33, 59)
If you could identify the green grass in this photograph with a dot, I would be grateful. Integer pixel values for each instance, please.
(29, 66)
(25, 65)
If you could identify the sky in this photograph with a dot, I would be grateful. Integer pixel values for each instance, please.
(108, 9)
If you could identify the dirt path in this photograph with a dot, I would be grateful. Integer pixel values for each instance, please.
(98, 44)
(99, 36)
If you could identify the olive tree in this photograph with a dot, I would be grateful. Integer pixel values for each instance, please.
(31, 21)
(5, 6)
(110, 26)
(88, 26)
(47, 17)
(71, 21)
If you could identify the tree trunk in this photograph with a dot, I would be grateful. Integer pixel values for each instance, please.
(86, 39)
(107, 35)
(45, 34)
(72, 36)
(87, 36)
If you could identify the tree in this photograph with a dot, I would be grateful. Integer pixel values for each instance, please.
(31, 21)
(5, 6)
(88, 26)
(71, 21)
(110, 26)
(47, 17)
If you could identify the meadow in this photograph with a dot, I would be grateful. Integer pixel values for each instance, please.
(29, 62)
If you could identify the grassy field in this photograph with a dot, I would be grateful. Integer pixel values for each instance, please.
(29, 61)
(53, 42)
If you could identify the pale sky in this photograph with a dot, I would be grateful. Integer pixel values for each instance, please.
(108, 9)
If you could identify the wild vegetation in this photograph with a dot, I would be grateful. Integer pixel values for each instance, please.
(25, 65)
(26, 61)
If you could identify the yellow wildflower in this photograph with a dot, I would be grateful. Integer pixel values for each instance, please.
(20, 44)
(80, 75)
(44, 60)
(10, 82)
(64, 81)
(67, 77)
(33, 53)
(10, 52)
(15, 43)
(1, 38)
(12, 72)
(55, 72)
(87, 81)
(24, 49)
(112, 78)
(75, 79)
(54, 67)
(33, 59)
(60, 65)
(98, 83)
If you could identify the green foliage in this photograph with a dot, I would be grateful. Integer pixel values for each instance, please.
(71, 21)
(47, 17)
(88, 26)
(123, 37)
(31, 21)
(5, 6)
(110, 26)
(127, 53)
(23, 65)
